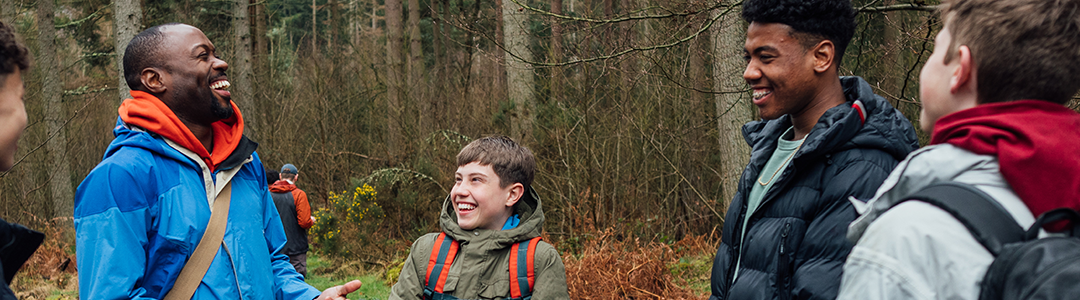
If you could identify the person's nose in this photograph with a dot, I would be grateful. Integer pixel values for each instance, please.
(752, 72)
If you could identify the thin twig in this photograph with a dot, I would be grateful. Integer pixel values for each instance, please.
(896, 7)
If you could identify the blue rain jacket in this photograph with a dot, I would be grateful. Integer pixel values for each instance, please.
(141, 212)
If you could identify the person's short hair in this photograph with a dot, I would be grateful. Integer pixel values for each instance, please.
(271, 175)
(12, 54)
(142, 52)
(510, 161)
(1022, 49)
(811, 20)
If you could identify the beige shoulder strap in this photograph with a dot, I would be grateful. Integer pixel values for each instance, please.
(196, 266)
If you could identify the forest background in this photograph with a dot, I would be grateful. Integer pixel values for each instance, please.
(633, 109)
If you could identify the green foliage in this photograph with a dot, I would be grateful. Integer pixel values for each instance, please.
(349, 223)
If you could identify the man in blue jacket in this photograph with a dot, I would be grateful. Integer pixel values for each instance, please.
(824, 138)
(141, 213)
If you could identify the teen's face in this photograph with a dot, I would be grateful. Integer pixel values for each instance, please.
(934, 83)
(12, 118)
(778, 68)
(198, 80)
(478, 200)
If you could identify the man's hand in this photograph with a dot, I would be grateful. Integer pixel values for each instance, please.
(339, 292)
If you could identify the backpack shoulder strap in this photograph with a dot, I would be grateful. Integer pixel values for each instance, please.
(983, 216)
(442, 256)
(522, 274)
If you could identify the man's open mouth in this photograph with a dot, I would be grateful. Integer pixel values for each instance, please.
(220, 87)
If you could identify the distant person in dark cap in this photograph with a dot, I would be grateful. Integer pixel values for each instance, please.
(17, 243)
(292, 205)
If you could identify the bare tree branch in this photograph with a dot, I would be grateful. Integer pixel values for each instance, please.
(629, 17)
(896, 7)
(708, 24)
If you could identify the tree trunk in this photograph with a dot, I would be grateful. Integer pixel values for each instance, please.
(240, 68)
(732, 106)
(437, 89)
(519, 74)
(128, 15)
(394, 78)
(314, 29)
(7, 12)
(416, 69)
(260, 48)
(52, 90)
(556, 52)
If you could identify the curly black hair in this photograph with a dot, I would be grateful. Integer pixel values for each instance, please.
(12, 54)
(812, 20)
(142, 52)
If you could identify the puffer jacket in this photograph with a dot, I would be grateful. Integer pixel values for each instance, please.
(481, 269)
(795, 244)
(917, 250)
(141, 212)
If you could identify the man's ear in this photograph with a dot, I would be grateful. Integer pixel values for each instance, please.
(824, 54)
(153, 80)
(516, 191)
(965, 71)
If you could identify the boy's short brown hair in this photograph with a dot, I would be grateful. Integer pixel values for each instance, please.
(12, 54)
(510, 161)
(1022, 49)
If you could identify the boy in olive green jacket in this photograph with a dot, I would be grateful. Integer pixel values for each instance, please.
(491, 215)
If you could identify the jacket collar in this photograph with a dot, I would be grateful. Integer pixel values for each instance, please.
(528, 209)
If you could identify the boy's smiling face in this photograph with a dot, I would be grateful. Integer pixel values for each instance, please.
(478, 199)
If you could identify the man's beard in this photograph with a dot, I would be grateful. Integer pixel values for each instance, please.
(219, 111)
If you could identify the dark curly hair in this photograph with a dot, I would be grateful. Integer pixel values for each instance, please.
(811, 20)
(12, 54)
(142, 52)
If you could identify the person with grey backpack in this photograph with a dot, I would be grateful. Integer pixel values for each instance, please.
(997, 189)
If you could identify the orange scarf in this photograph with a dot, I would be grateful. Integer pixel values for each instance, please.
(146, 111)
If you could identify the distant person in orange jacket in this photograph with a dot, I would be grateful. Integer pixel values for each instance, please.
(292, 205)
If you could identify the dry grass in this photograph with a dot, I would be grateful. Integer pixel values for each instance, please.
(610, 268)
(50, 272)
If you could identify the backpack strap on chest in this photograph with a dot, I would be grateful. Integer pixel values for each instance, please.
(442, 256)
(989, 222)
(522, 274)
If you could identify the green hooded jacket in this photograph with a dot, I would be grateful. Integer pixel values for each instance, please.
(481, 269)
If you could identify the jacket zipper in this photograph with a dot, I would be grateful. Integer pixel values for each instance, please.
(236, 275)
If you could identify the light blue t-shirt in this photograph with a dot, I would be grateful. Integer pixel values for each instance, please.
(781, 158)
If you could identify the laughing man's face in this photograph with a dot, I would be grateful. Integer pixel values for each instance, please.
(197, 75)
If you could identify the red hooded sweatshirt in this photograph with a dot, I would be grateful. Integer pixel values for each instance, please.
(146, 111)
(1037, 144)
(303, 208)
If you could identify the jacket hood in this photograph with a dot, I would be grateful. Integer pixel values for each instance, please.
(842, 127)
(282, 186)
(528, 209)
(1035, 144)
(150, 113)
(128, 135)
(933, 164)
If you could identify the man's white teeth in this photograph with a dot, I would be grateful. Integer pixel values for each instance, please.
(761, 94)
(465, 206)
(220, 85)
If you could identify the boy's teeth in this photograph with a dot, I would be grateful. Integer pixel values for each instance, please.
(465, 206)
(759, 95)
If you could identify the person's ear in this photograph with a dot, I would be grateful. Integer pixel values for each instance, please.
(516, 191)
(963, 74)
(824, 55)
(153, 80)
